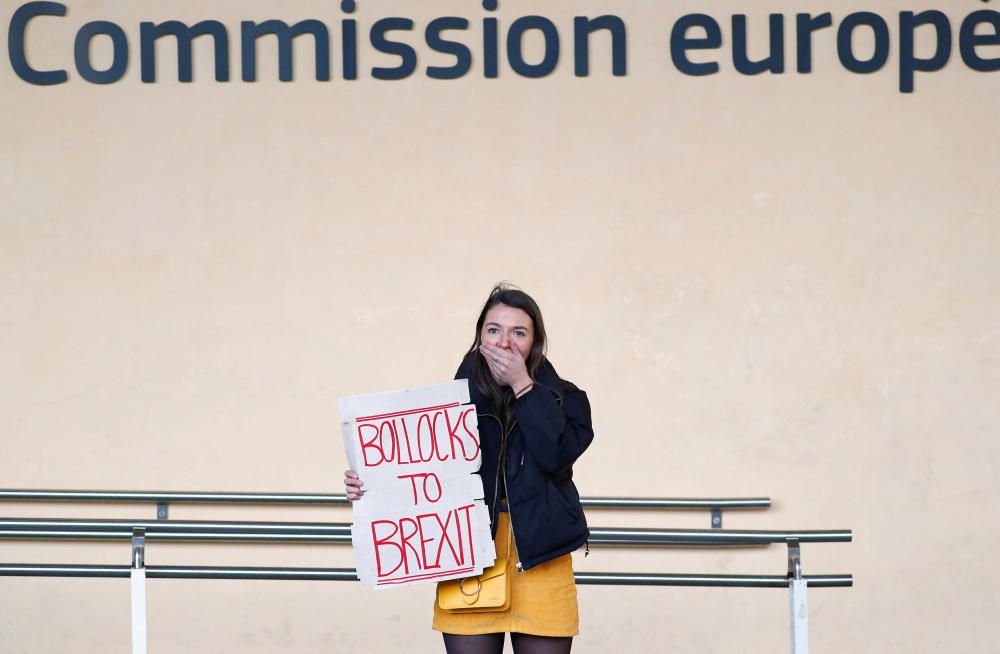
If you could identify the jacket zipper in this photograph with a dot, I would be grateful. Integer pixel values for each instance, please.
(501, 469)
(496, 481)
(510, 516)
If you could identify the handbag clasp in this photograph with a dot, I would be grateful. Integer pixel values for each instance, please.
(461, 586)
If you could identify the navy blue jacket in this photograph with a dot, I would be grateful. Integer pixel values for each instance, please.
(550, 429)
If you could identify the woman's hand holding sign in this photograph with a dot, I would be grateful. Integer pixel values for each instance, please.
(352, 485)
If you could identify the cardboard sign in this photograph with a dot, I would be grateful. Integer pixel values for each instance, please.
(422, 517)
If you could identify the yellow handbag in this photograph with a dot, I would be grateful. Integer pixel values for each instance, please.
(489, 591)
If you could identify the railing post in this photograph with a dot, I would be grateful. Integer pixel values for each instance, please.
(138, 582)
(798, 602)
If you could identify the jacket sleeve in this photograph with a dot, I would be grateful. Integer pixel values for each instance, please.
(555, 434)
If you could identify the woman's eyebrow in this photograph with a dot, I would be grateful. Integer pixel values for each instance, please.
(496, 324)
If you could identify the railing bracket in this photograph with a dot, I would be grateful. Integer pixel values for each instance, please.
(794, 560)
(138, 582)
(798, 600)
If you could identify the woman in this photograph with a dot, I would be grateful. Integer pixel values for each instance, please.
(532, 427)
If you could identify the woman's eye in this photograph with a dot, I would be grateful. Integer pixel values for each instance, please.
(492, 330)
(520, 334)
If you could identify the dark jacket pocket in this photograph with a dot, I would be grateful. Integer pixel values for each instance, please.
(567, 496)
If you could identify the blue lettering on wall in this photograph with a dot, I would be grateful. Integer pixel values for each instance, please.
(845, 42)
(81, 52)
(969, 40)
(251, 31)
(16, 45)
(775, 60)
(805, 25)
(583, 27)
(515, 42)
(680, 43)
(459, 42)
(909, 62)
(149, 33)
(462, 54)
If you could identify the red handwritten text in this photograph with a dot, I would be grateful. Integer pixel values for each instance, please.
(424, 546)
(419, 436)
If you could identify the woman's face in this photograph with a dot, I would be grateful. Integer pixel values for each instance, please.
(504, 326)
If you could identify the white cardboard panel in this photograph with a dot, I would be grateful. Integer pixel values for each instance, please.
(354, 406)
(422, 516)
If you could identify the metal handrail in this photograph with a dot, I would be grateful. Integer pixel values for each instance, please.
(314, 532)
(177, 497)
(728, 503)
(141, 531)
(349, 574)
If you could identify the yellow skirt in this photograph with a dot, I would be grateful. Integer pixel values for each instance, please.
(542, 600)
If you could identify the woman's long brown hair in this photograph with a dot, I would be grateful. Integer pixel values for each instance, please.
(502, 397)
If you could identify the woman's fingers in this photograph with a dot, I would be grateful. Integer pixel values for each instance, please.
(491, 353)
(492, 357)
(352, 485)
(516, 361)
(506, 365)
(496, 355)
(499, 368)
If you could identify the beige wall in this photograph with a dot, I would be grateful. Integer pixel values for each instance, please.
(775, 285)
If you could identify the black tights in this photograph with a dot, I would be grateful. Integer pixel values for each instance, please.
(493, 644)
